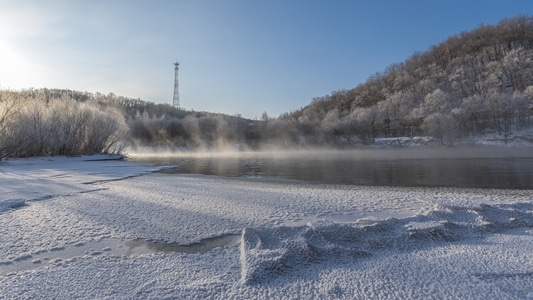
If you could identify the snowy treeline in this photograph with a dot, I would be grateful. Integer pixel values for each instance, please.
(36, 123)
(472, 82)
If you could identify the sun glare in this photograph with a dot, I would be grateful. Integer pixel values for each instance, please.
(12, 65)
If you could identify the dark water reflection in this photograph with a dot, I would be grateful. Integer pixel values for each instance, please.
(486, 168)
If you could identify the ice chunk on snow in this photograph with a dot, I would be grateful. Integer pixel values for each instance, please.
(424, 226)
(370, 221)
(271, 252)
(11, 203)
(320, 224)
(434, 230)
(255, 260)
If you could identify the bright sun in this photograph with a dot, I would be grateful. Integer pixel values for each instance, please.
(8, 63)
(15, 71)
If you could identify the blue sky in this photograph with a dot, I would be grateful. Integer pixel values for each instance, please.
(236, 56)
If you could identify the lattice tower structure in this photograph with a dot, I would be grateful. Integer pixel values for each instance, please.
(176, 99)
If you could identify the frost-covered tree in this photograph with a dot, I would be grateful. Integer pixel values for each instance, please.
(472, 114)
(441, 126)
(366, 121)
(10, 105)
(62, 126)
(438, 101)
(528, 93)
(517, 66)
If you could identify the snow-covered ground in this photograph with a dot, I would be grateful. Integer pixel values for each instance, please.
(72, 228)
(518, 138)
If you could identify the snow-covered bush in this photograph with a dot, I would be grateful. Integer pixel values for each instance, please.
(10, 104)
(60, 127)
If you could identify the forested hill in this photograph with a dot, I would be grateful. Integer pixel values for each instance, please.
(472, 82)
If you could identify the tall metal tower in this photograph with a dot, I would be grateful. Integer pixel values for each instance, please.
(176, 101)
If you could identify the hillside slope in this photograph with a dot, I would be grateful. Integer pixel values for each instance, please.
(473, 82)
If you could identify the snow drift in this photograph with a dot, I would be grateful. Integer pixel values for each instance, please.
(266, 253)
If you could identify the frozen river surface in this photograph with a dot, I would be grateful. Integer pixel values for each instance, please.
(72, 228)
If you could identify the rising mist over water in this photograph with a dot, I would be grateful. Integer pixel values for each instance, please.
(329, 153)
(439, 167)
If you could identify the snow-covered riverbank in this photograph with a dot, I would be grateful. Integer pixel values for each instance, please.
(72, 228)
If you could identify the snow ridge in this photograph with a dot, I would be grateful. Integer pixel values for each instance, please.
(267, 253)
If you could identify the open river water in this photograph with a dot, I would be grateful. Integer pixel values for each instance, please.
(502, 168)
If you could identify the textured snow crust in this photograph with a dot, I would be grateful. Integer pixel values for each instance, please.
(72, 228)
(271, 252)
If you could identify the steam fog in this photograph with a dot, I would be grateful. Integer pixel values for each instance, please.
(331, 153)
(437, 167)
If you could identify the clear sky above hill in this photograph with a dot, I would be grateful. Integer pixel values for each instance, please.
(236, 56)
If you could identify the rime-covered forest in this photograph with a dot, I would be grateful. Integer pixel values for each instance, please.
(474, 83)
